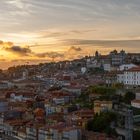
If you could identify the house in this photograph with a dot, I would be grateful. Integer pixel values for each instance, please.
(120, 77)
(117, 58)
(107, 67)
(100, 106)
(21, 96)
(4, 85)
(80, 118)
(74, 90)
(110, 78)
(138, 95)
(126, 67)
(4, 105)
(49, 109)
(60, 97)
(135, 103)
(130, 77)
(59, 132)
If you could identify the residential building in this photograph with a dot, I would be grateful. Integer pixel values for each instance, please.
(126, 67)
(130, 77)
(135, 103)
(100, 106)
(117, 58)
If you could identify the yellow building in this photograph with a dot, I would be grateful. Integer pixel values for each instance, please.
(100, 106)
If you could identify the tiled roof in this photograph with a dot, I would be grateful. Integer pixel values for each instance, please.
(135, 69)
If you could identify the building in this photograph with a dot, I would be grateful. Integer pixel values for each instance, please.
(3, 85)
(74, 90)
(110, 78)
(53, 132)
(107, 67)
(60, 133)
(137, 95)
(135, 103)
(126, 67)
(117, 58)
(130, 77)
(100, 106)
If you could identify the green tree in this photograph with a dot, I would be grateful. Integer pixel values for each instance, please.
(102, 122)
(136, 135)
(129, 96)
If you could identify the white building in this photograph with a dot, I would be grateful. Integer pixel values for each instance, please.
(73, 90)
(126, 67)
(67, 133)
(120, 77)
(131, 77)
(138, 96)
(135, 103)
(54, 133)
(107, 67)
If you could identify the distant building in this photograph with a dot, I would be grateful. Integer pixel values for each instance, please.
(135, 103)
(126, 67)
(4, 85)
(117, 58)
(110, 78)
(55, 132)
(100, 106)
(130, 77)
(107, 67)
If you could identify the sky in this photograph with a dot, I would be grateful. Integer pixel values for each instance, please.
(35, 31)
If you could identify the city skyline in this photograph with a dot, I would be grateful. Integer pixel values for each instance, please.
(41, 31)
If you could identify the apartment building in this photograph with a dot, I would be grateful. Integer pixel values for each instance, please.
(130, 77)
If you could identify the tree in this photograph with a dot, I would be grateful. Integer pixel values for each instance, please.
(136, 135)
(129, 96)
(102, 122)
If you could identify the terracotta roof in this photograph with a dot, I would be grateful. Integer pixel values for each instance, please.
(134, 69)
(135, 101)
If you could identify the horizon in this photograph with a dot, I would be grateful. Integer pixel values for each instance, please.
(43, 31)
(27, 62)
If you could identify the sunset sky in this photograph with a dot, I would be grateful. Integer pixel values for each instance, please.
(37, 31)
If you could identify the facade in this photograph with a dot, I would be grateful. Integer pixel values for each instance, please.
(135, 103)
(4, 85)
(120, 77)
(107, 67)
(131, 77)
(110, 78)
(100, 106)
(138, 96)
(126, 67)
(54, 133)
(73, 90)
(117, 58)
(3, 106)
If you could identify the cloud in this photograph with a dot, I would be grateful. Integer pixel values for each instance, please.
(27, 51)
(73, 48)
(70, 53)
(46, 34)
(6, 44)
(50, 55)
(103, 43)
(2, 60)
(18, 50)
